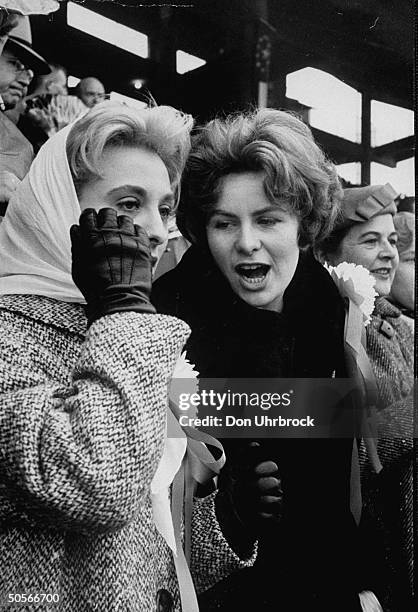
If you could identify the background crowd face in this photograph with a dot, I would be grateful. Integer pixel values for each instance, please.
(373, 245)
(91, 91)
(12, 71)
(55, 82)
(253, 242)
(134, 182)
(14, 79)
(403, 286)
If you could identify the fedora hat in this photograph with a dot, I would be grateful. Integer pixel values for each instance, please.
(20, 43)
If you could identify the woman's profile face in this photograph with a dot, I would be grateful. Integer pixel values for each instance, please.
(134, 182)
(253, 242)
(373, 245)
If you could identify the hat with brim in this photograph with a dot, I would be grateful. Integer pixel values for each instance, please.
(360, 204)
(20, 43)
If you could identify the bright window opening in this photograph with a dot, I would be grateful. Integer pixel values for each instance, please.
(186, 62)
(350, 172)
(402, 178)
(336, 107)
(390, 123)
(73, 81)
(117, 97)
(108, 30)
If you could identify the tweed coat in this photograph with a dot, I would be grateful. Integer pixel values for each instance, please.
(82, 428)
(388, 497)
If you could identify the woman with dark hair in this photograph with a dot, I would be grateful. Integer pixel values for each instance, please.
(257, 193)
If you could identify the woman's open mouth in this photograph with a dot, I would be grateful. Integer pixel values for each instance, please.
(252, 276)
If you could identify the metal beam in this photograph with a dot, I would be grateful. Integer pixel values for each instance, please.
(393, 152)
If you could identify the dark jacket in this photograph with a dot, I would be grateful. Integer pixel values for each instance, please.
(307, 561)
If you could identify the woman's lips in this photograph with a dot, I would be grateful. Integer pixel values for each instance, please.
(382, 272)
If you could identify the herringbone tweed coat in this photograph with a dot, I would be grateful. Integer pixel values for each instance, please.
(388, 497)
(82, 423)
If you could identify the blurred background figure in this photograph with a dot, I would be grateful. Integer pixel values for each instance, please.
(90, 91)
(405, 203)
(55, 82)
(48, 108)
(46, 114)
(402, 293)
(35, 124)
(18, 63)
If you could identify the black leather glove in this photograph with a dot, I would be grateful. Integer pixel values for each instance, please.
(111, 263)
(249, 498)
(256, 488)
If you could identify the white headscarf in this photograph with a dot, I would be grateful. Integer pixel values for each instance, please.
(35, 259)
(35, 246)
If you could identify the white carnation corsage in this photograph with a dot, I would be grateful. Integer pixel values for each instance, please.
(183, 385)
(355, 283)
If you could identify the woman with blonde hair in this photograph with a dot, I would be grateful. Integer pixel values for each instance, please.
(85, 462)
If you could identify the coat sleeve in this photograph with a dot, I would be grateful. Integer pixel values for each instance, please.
(82, 455)
(212, 557)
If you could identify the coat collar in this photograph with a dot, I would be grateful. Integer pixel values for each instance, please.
(62, 315)
(383, 308)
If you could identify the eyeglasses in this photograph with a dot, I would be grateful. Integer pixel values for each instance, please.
(19, 67)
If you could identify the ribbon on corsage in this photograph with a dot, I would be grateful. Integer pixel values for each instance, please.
(186, 461)
(356, 286)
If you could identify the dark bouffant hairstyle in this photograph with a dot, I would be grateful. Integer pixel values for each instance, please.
(273, 142)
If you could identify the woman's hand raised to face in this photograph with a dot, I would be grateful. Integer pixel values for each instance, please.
(111, 263)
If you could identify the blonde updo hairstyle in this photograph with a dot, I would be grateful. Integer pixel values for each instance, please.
(160, 129)
(273, 142)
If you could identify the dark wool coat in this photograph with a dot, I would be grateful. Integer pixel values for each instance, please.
(82, 427)
(307, 561)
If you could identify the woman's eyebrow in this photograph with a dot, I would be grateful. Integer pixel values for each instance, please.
(255, 213)
(125, 189)
(224, 213)
(269, 209)
(168, 198)
(121, 189)
(376, 233)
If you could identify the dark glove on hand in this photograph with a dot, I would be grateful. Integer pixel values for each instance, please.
(111, 263)
(249, 499)
(256, 489)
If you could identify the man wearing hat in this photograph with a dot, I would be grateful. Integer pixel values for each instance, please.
(18, 63)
